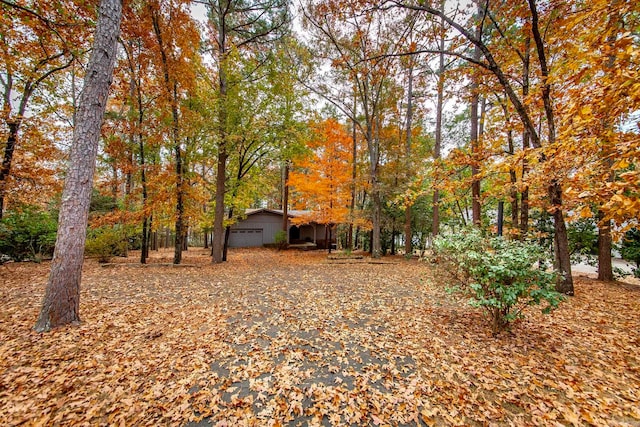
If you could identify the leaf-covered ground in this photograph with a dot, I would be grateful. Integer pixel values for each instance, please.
(291, 338)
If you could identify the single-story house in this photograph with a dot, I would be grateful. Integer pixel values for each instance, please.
(259, 227)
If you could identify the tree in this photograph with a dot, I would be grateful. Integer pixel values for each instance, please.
(62, 297)
(262, 131)
(437, 147)
(475, 125)
(322, 180)
(37, 41)
(601, 65)
(137, 68)
(491, 63)
(177, 43)
(360, 47)
(236, 25)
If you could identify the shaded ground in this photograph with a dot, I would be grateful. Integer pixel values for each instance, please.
(290, 338)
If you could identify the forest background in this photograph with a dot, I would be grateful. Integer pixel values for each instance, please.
(394, 120)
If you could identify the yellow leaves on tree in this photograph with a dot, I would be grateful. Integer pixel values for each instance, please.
(321, 181)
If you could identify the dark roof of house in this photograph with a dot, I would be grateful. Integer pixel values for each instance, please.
(290, 213)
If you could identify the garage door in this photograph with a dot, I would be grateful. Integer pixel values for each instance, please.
(245, 238)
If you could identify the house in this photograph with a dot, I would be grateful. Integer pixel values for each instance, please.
(260, 226)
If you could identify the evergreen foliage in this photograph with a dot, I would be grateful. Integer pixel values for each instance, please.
(28, 233)
(503, 277)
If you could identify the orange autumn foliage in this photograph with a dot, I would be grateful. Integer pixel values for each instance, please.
(321, 181)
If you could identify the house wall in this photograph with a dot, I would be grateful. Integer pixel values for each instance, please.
(268, 222)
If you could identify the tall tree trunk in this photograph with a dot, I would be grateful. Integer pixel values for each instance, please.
(146, 226)
(524, 196)
(376, 248)
(227, 234)
(513, 176)
(217, 243)
(605, 266)
(177, 255)
(62, 296)
(513, 196)
(354, 169)
(285, 199)
(376, 197)
(408, 249)
(475, 153)
(561, 240)
(438, 137)
(475, 142)
(171, 87)
(218, 221)
(7, 158)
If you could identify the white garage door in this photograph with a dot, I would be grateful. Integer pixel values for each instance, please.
(245, 238)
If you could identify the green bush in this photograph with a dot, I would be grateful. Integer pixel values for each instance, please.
(28, 233)
(281, 239)
(106, 242)
(583, 240)
(501, 276)
(630, 249)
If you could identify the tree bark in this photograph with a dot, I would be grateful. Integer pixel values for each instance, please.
(438, 136)
(217, 243)
(7, 158)
(143, 179)
(376, 248)
(408, 234)
(171, 87)
(62, 296)
(354, 169)
(605, 267)
(524, 196)
(561, 242)
(475, 142)
(561, 238)
(285, 199)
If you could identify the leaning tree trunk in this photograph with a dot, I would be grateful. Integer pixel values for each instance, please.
(62, 296)
(5, 168)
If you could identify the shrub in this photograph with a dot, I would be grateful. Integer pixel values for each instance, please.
(28, 233)
(630, 249)
(281, 239)
(583, 240)
(501, 276)
(106, 242)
